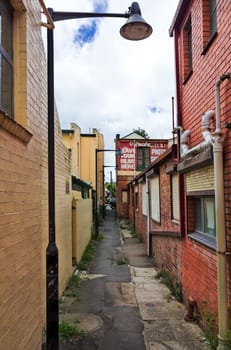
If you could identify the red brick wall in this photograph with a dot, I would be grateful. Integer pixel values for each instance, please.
(122, 208)
(166, 247)
(165, 238)
(140, 219)
(131, 204)
(166, 223)
(166, 251)
(199, 275)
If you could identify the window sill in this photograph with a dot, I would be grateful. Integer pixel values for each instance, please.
(13, 128)
(156, 221)
(203, 239)
(171, 234)
(209, 43)
(175, 221)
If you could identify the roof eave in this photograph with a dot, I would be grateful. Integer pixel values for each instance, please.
(179, 14)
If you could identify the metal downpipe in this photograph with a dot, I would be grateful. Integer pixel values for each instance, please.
(220, 223)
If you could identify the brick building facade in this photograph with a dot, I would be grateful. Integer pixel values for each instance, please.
(135, 154)
(181, 204)
(201, 31)
(154, 211)
(24, 180)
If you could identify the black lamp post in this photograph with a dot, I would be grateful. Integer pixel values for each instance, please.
(135, 29)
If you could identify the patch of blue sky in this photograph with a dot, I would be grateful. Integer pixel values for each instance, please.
(86, 33)
(154, 109)
(100, 5)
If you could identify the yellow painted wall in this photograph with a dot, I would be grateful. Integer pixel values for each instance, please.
(24, 192)
(89, 143)
(72, 141)
(82, 225)
(87, 159)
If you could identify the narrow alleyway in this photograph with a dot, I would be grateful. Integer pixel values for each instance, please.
(122, 305)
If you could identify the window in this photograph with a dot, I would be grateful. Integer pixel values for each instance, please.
(136, 198)
(175, 197)
(213, 17)
(155, 198)
(144, 199)
(209, 22)
(124, 196)
(6, 57)
(204, 214)
(143, 157)
(187, 47)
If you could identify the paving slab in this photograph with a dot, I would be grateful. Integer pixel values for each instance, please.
(168, 345)
(145, 296)
(159, 330)
(152, 311)
(144, 271)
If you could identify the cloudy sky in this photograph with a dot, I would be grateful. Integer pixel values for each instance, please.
(106, 82)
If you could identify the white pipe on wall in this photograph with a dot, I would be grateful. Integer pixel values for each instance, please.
(148, 216)
(206, 132)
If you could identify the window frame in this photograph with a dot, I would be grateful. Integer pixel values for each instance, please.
(213, 17)
(187, 49)
(209, 12)
(6, 55)
(175, 201)
(193, 232)
(142, 157)
(124, 196)
(136, 195)
(17, 124)
(204, 218)
(144, 199)
(155, 198)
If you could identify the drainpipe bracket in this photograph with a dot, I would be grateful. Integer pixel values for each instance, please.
(223, 253)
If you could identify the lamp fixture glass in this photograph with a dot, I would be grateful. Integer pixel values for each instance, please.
(136, 28)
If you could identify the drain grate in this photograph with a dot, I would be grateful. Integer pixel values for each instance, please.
(86, 322)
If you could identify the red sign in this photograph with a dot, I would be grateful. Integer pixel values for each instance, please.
(127, 158)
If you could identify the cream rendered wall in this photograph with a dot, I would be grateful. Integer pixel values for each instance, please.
(82, 225)
(21, 166)
(63, 212)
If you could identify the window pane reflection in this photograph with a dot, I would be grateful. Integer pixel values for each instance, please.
(6, 88)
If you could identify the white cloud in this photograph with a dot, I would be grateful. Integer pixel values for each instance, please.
(111, 83)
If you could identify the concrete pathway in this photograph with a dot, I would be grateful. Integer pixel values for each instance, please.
(121, 305)
(162, 316)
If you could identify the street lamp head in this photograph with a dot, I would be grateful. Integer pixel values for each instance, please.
(135, 28)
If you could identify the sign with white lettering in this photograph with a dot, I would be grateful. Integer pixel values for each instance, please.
(128, 149)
